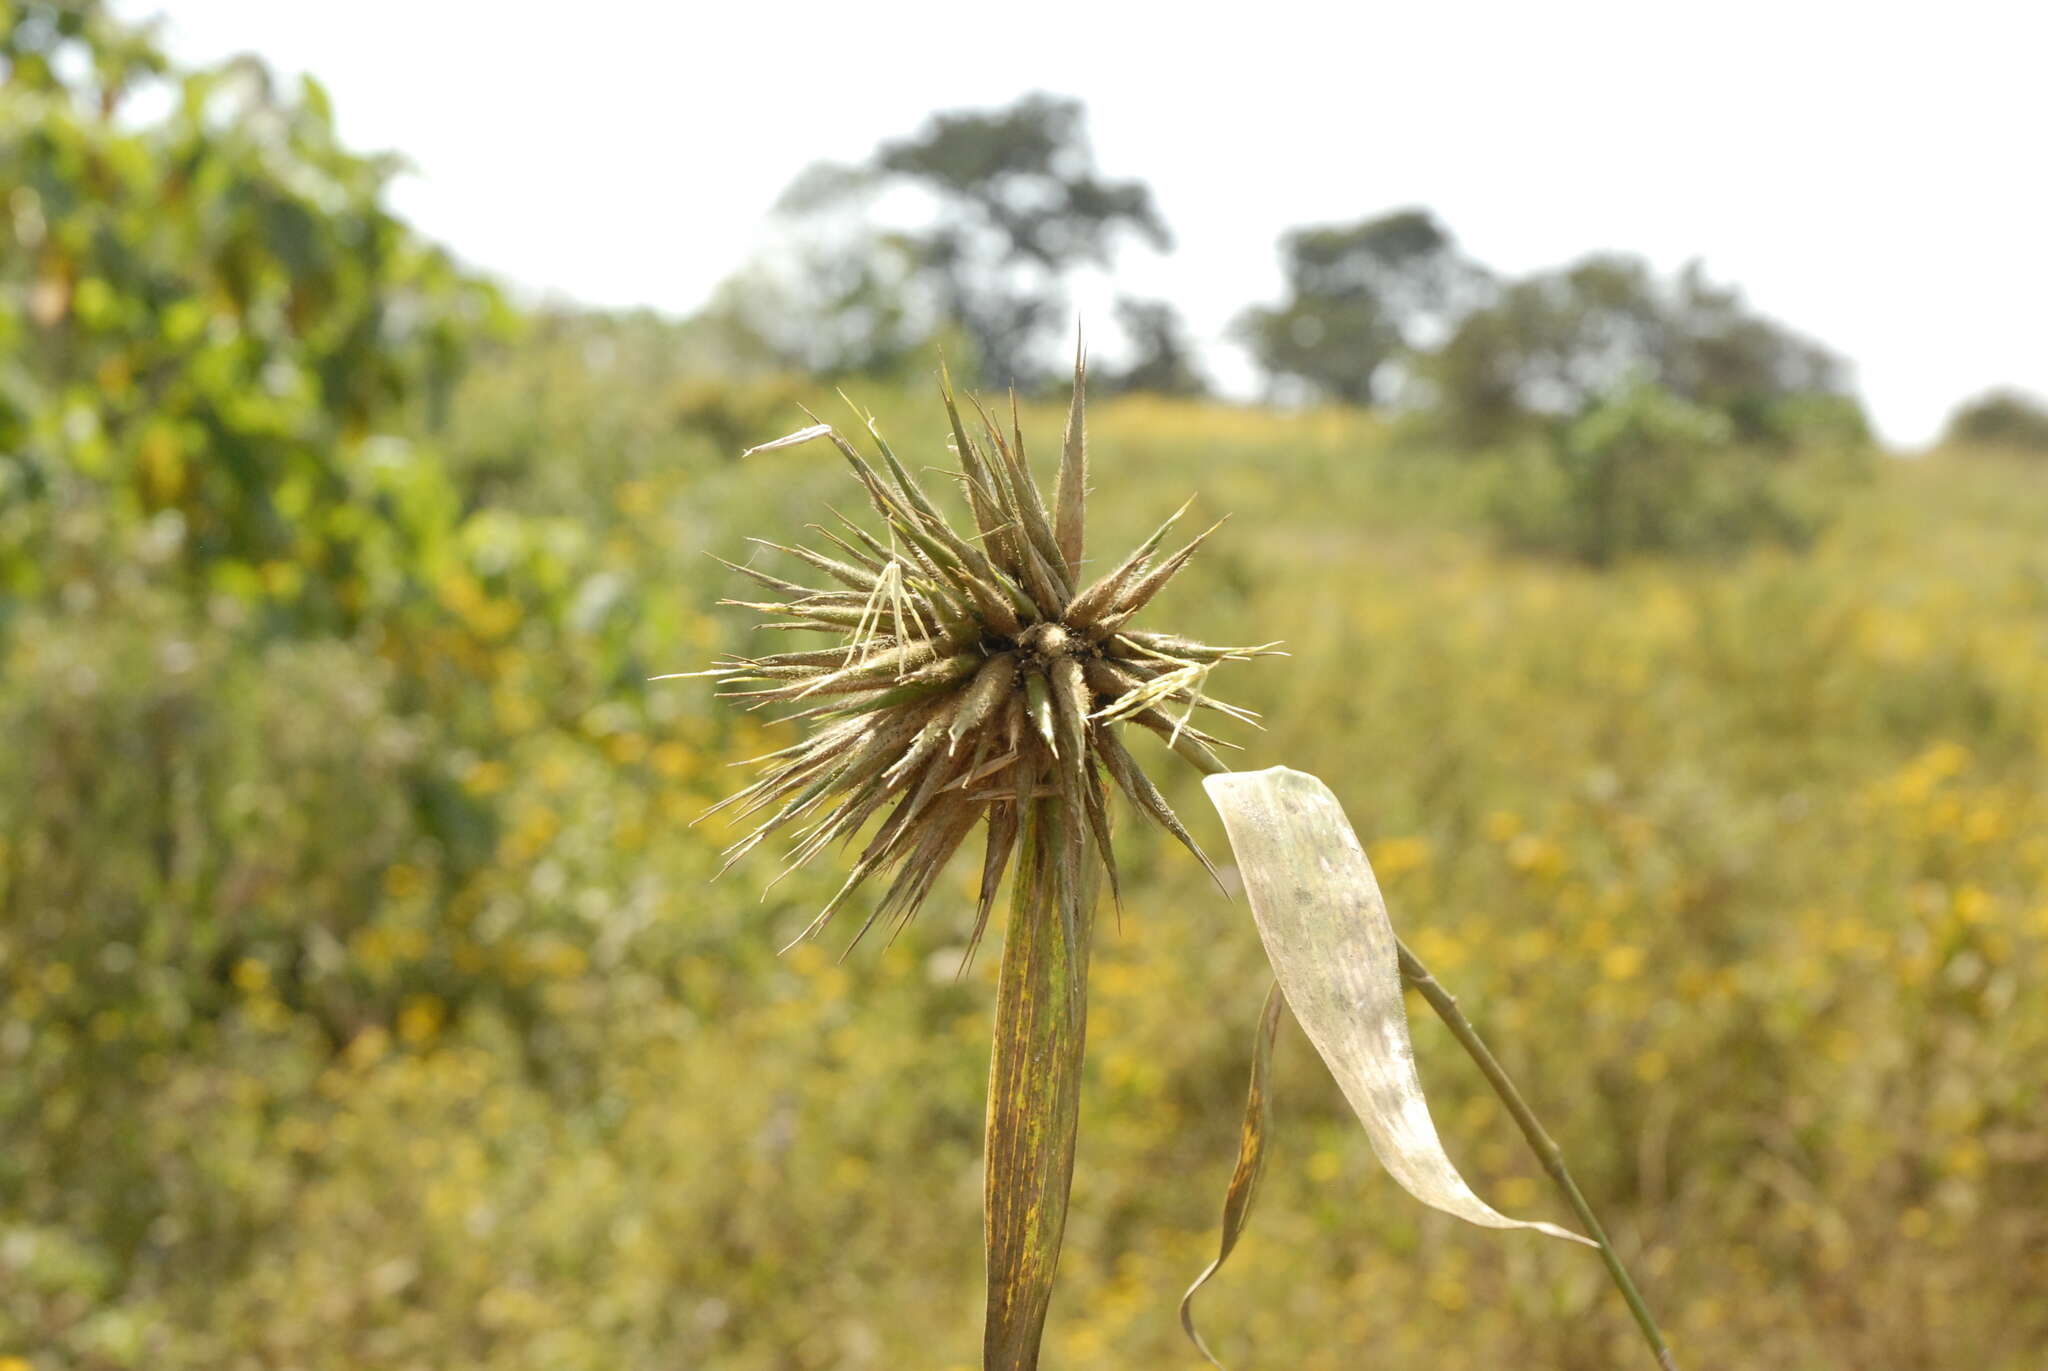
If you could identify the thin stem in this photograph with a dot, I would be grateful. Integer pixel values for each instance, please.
(1540, 1142)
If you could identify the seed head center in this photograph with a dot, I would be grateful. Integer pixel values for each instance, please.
(1048, 642)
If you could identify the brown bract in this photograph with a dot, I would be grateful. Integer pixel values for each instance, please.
(973, 670)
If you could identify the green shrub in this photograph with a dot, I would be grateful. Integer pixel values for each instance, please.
(1643, 471)
(1807, 423)
(2002, 419)
(207, 319)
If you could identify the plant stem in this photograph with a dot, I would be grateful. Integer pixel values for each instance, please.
(1540, 1142)
(1034, 1087)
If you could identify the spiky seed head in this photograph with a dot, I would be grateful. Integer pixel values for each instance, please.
(972, 674)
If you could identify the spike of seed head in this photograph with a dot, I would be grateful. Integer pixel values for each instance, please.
(965, 676)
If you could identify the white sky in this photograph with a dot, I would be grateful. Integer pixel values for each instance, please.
(1871, 174)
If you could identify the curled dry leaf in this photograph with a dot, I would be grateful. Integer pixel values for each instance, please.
(1337, 962)
(1251, 1162)
(1325, 927)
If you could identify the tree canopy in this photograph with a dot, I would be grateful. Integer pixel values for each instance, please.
(1163, 359)
(208, 318)
(1012, 207)
(1359, 296)
(1555, 342)
(2005, 419)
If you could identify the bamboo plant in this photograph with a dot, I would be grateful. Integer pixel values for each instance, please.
(980, 678)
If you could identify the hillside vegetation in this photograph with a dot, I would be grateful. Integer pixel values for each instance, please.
(366, 999)
(368, 1003)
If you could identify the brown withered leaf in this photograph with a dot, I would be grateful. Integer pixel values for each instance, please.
(1251, 1161)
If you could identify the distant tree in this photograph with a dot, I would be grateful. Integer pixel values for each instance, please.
(1748, 366)
(1019, 207)
(1011, 207)
(2005, 419)
(821, 305)
(1162, 355)
(1358, 297)
(1554, 343)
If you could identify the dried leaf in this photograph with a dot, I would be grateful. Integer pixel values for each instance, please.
(1251, 1162)
(1325, 928)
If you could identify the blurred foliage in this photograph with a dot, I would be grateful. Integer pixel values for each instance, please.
(531, 428)
(1163, 358)
(1360, 297)
(1009, 206)
(1018, 193)
(364, 1001)
(1644, 471)
(2003, 420)
(1555, 343)
(206, 319)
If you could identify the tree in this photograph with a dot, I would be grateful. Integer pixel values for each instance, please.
(2005, 419)
(1358, 297)
(822, 305)
(1554, 343)
(1012, 207)
(207, 319)
(1162, 355)
(830, 293)
(1020, 206)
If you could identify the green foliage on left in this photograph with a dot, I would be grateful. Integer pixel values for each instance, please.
(209, 321)
(269, 661)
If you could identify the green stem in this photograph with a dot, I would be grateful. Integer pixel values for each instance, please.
(1034, 1084)
(1540, 1142)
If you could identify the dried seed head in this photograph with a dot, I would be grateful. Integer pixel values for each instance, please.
(974, 674)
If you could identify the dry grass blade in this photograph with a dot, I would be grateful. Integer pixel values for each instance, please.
(1040, 546)
(869, 554)
(1139, 594)
(993, 517)
(1251, 1162)
(1070, 489)
(1145, 796)
(852, 577)
(1002, 840)
(801, 436)
(1093, 602)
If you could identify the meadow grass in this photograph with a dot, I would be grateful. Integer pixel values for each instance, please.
(1742, 865)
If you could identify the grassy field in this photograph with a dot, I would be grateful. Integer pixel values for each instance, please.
(366, 1002)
